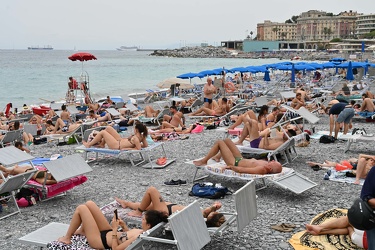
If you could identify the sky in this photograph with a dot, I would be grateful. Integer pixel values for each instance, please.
(152, 24)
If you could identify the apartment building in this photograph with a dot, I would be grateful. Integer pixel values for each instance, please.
(365, 24)
(272, 31)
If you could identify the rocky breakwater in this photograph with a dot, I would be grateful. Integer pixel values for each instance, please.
(195, 52)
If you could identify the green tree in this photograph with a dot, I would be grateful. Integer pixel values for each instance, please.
(336, 40)
(369, 35)
(327, 32)
(275, 30)
(294, 19)
(289, 21)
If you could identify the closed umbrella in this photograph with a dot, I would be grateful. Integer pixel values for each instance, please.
(267, 76)
(293, 78)
(349, 73)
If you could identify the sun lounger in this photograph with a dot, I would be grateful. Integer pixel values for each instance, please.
(64, 137)
(188, 228)
(31, 129)
(287, 179)
(11, 137)
(358, 138)
(68, 172)
(142, 157)
(246, 210)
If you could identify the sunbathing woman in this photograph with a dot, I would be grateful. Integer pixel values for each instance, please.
(113, 140)
(222, 109)
(60, 127)
(233, 158)
(39, 176)
(152, 200)
(88, 220)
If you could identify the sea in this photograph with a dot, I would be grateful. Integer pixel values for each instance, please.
(41, 76)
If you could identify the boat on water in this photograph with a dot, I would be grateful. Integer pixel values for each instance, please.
(123, 48)
(46, 47)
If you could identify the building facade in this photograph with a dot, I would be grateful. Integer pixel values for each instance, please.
(272, 31)
(315, 25)
(365, 24)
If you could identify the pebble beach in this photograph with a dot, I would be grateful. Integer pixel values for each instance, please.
(112, 177)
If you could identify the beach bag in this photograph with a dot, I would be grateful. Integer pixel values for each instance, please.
(361, 216)
(38, 141)
(326, 139)
(209, 190)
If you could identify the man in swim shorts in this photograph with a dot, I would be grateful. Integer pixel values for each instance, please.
(227, 150)
(208, 93)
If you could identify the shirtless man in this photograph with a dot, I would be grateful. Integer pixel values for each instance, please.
(367, 104)
(175, 120)
(65, 115)
(233, 158)
(298, 102)
(208, 93)
(260, 139)
(221, 109)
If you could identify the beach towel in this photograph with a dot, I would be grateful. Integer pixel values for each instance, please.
(340, 176)
(305, 241)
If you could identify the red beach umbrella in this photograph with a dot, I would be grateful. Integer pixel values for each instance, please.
(82, 56)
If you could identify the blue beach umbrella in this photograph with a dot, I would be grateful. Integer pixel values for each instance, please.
(349, 73)
(190, 75)
(239, 69)
(337, 59)
(267, 76)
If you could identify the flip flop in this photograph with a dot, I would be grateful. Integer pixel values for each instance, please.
(281, 228)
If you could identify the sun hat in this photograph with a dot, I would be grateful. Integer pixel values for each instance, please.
(361, 216)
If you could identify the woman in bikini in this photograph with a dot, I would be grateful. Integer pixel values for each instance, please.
(152, 200)
(113, 140)
(178, 130)
(227, 150)
(39, 176)
(262, 118)
(89, 220)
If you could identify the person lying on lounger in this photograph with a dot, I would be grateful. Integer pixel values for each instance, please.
(152, 200)
(113, 140)
(338, 226)
(178, 130)
(227, 150)
(39, 176)
(261, 139)
(220, 110)
(363, 165)
(88, 220)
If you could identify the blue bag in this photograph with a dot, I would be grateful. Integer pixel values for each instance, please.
(209, 190)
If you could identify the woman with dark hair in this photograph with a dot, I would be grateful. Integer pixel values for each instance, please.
(88, 220)
(113, 140)
(152, 200)
(262, 117)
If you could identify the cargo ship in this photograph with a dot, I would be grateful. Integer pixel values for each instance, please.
(46, 47)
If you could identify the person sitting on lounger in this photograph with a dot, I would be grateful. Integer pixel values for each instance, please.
(367, 104)
(176, 119)
(113, 140)
(220, 110)
(60, 127)
(39, 176)
(152, 200)
(88, 220)
(298, 102)
(261, 139)
(151, 112)
(227, 150)
(99, 118)
(339, 226)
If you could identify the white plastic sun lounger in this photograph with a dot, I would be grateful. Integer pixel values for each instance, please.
(288, 178)
(64, 137)
(131, 155)
(358, 138)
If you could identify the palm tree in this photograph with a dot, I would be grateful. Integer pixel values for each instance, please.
(275, 30)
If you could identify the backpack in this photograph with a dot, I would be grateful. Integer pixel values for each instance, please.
(209, 190)
(326, 139)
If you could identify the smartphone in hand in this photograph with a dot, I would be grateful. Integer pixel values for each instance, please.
(116, 215)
